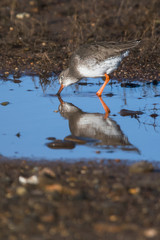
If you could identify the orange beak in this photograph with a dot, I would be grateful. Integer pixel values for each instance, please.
(60, 89)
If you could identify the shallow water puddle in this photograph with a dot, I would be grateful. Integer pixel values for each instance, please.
(36, 123)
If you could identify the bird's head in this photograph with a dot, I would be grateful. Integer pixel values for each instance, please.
(65, 79)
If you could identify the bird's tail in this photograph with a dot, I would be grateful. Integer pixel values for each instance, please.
(125, 54)
(130, 44)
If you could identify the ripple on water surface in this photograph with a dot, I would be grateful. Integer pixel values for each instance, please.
(36, 123)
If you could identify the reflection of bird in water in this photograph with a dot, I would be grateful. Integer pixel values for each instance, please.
(95, 60)
(93, 125)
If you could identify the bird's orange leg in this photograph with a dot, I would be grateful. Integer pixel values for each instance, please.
(60, 99)
(106, 108)
(99, 93)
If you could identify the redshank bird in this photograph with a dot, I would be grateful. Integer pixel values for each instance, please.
(95, 60)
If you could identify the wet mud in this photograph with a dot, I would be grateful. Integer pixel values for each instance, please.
(94, 200)
(40, 36)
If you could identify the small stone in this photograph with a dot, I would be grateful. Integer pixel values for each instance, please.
(155, 82)
(17, 81)
(54, 187)
(9, 195)
(21, 191)
(71, 179)
(32, 3)
(59, 144)
(98, 152)
(31, 180)
(150, 233)
(154, 115)
(134, 191)
(117, 160)
(113, 218)
(4, 103)
(22, 15)
(83, 171)
(48, 173)
(141, 167)
(18, 135)
(47, 218)
(51, 138)
(40, 227)
(126, 112)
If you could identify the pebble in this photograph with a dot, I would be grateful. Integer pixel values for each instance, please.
(31, 180)
(150, 233)
(51, 138)
(48, 173)
(98, 152)
(83, 171)
(21, 191)
(4, 103)
(134, 191)
(22, 15)
(54, 187)
(17, 81)
(18, 134)
(47, 218)
(59, 144)
(126, 112)
(113, 218)
(141, 167)
(154, 115)
(6, 73)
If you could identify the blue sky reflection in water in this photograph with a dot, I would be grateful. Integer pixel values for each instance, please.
(32, 113)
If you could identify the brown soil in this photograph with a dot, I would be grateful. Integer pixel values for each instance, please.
(106, 200)
(42, 41)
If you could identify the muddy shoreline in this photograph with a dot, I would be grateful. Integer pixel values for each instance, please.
(39, 36)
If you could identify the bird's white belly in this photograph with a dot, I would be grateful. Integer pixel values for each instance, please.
(94, 69)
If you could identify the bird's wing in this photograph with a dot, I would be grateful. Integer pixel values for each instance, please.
(100, 51)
